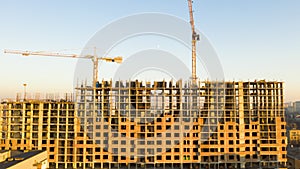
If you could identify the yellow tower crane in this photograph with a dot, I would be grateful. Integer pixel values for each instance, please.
(94, 58)
(195, 38)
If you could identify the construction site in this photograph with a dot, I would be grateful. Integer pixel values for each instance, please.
(156, 124)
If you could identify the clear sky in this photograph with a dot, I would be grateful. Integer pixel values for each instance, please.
(255, 39)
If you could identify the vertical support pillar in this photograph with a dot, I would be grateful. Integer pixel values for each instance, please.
(241, 125)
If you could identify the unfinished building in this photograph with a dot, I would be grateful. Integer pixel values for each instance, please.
(137, 124)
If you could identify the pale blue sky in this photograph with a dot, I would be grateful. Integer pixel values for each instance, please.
(255, 39)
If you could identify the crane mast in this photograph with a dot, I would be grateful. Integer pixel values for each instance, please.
(195, 37)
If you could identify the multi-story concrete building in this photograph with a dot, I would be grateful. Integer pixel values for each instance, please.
(296, 106)
(155, 125)
(294, 136)
(293, 107)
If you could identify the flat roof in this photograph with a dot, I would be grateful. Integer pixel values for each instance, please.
(294, 153)
(24, 156)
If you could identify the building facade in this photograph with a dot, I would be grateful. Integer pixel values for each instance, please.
(155, 125)
(296, 106)
(294, 136)
(293, 157)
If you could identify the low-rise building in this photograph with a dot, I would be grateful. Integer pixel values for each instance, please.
(23, 160)
(293, 158)
(4, 154)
